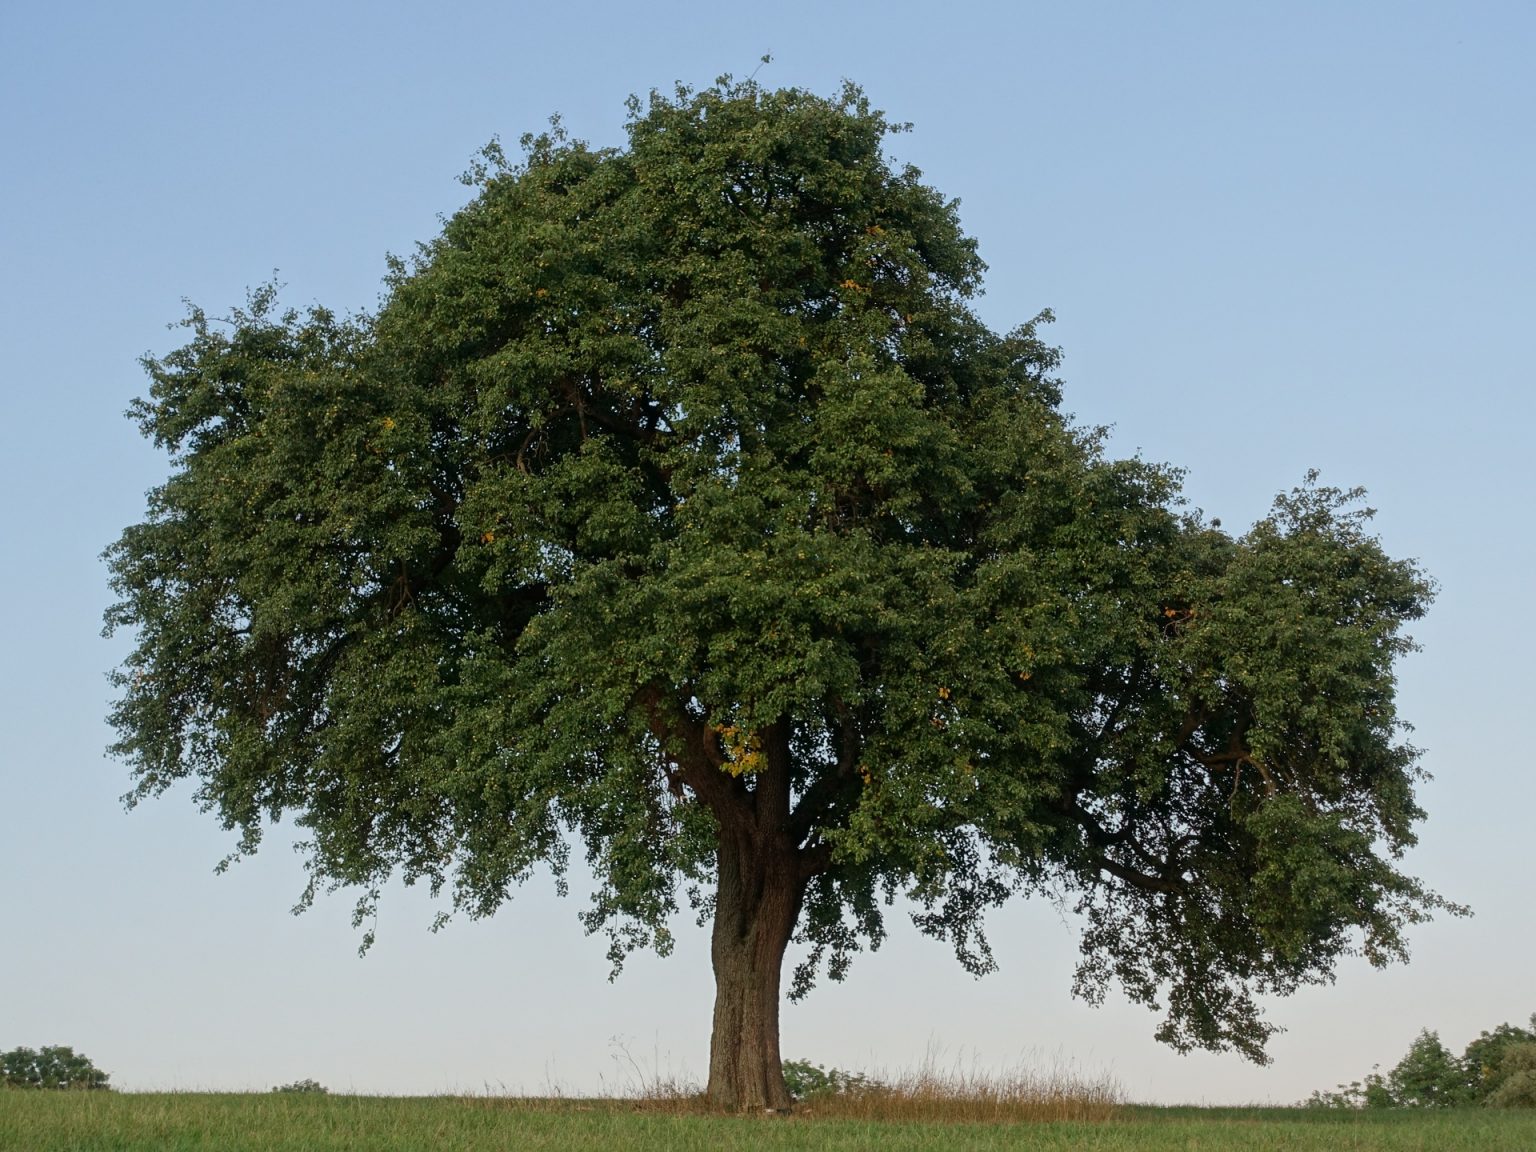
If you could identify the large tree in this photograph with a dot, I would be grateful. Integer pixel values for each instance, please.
(675, 502)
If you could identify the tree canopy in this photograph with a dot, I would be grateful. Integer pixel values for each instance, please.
(675, 503)
(58, 1067)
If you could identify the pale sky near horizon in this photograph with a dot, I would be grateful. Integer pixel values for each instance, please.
(1275, 238)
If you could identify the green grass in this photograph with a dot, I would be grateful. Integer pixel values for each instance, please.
(183, 1122)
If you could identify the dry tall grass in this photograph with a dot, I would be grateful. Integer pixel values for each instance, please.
(935, 1092)
(1023, 1093)
(1033, 1091)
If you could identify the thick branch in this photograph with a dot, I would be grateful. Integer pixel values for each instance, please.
(1104, 839)
(1137, 879)
(773, 780)
(824, 792)
(813, 860)
(1127, 691)
(1238, 754)
(698, 760)
(1193, 719)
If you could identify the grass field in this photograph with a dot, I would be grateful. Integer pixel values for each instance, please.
(183, 1122)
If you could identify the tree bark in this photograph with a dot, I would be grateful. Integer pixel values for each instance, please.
(757, 902)
(761, 879)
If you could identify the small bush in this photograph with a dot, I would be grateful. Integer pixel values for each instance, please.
(806, 1080)
(1373, 1093)
(310, 1087)
(59, 1067)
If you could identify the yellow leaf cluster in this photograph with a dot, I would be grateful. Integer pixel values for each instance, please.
(743, 749)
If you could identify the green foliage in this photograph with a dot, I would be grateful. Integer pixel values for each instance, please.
(1372, 1092)
(1429, 1076)
(1484, 1057)
(1513, 1084)
(59, 1067)
(807, 1080)
(310, 1087)
(1498, 1069)
(677, 484)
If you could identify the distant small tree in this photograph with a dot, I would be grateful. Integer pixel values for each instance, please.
(1514, 1078)
(1484, 1057)
(59, 1067)
(1497, 1069)
(304, 1087)
(1429, 1076)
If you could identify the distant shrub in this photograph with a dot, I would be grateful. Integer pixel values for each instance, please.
(311, 1087)
(1515, 1078)
(58, 1067)
(1485, 1057)
(806, 1080)
(1372, 1093)
(1497, 1069)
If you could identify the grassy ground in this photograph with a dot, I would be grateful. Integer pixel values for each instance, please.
(124, 1122)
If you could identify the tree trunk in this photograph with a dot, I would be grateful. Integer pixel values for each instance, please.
(757, 902)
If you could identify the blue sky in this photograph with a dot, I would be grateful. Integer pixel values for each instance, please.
(1274, 239)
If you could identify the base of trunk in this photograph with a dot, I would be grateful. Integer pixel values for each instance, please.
(756, 906)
